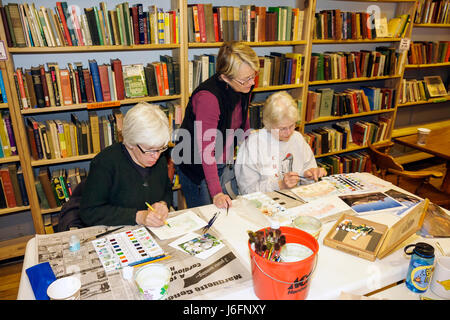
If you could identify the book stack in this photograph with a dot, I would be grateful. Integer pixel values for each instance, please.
(7, 140)
(352, 162)
(374, 131)
(55, 139)
(55, 188)
(342, 25)
(326, 102)
(413, 90)
(39, 87)
(208, 23)
(280, 68)
(432, 12)
(27, 26)
(426, 52)
(200, 69)
(12, 188)
(350, 65)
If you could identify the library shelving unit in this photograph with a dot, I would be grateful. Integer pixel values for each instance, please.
(433, 113)
(336, 44)
(142, 53)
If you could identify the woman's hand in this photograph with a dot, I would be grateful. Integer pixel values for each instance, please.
(315, 173)
(222, 200)
(153, 218)
(290, 180)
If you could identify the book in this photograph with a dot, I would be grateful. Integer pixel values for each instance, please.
(435, 86)
(134, 81)
(93, 67)
(7, 187)
(44, 180)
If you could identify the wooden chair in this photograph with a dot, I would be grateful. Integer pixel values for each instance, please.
(383, 163)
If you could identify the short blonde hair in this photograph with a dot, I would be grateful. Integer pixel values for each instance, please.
(147, 124)
(231, 55)
(279, 106)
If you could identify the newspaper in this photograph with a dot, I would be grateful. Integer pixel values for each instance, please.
(191, 277)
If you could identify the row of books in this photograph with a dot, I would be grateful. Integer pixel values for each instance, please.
(347, 163)
(200, 69)
(432, 11)
(55, 188)
(27, 26)
(339, 136)
(8, 145)
(326, 102)
(349, 65)
(55, 139)
(343, 25)
(255, 113)
(244, 23)
(39, 87)
(12, 188)
(423, 52)
(3, 96)
(414, 90)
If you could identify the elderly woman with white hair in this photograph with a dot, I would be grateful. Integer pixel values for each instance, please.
(277, 156)
(124, 176)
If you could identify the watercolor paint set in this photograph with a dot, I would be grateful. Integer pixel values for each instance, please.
(126, 248)
(348, 183)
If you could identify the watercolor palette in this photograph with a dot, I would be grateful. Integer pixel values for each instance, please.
(126, 248)
(348, 183)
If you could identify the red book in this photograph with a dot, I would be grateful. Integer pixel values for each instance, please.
(165, 78)
(44, 86)
(65, 87)
(261, 16)
(64, 23)
(201, 22)
(135, 21)
(77, 83)
(88, 84)
(116, 66)
(8, 188)
(216, 27)
(104, 82)
(158, 76)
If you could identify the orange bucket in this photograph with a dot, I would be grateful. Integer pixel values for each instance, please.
(284, 280)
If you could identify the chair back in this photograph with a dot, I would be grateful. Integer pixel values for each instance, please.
(381, 162)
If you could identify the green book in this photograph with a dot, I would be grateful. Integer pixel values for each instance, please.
(134, 81)
(126, 23)
(100, 35)
(326, 102)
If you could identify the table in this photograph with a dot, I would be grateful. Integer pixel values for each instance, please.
(438, 144)
(336, 271)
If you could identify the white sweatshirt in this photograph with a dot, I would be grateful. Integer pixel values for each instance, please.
(261, 160)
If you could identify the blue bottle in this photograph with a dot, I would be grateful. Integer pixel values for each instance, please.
(420, 267)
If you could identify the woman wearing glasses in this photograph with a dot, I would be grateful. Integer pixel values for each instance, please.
(277, 156)
(124, 176)
(216, 109)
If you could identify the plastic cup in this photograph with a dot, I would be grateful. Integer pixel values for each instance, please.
(440, 284)
(67, 288)
(422, 134)
(308, 224)
(153, 281)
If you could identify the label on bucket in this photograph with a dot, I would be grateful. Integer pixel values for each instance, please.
(299, 284)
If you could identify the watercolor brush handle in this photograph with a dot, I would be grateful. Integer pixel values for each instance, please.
(101, 234)
(148, 260)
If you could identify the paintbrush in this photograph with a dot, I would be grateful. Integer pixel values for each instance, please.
(101, 234)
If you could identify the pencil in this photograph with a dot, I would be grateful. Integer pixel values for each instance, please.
(151, 208)
(148, 262)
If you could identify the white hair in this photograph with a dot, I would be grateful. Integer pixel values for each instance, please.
(147, 124)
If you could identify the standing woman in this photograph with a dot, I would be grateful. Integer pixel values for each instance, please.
(216, 106)
(124, 176)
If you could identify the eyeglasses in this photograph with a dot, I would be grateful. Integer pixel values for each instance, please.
(244, 82)
(287, 129)
(153, 152)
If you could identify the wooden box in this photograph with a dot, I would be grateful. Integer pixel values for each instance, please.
(381, 241)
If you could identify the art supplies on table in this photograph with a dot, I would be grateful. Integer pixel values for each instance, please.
(179, 225)
(200, 246)
(370, 240)
(127, 248)
(267, 243)
(325, 209)
(265, 204)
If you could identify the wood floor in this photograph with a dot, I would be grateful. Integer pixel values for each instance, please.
(10, 271)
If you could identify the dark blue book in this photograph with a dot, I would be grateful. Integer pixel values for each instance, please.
(2, 88)
(22, 188)
(93, 67)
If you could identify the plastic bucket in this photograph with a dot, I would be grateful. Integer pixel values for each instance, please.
(284, 280)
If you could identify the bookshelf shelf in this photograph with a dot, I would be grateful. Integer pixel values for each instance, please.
(252, 44)
(431, 25)
(428, 65)
(10, 159)
(352, 147)
(84, 106)
(46, 162)
(280, 87)
(322, 82)
(72, 49)
(15, 209)
(332, 41)
(347, 116)
(4, 106)
(434, 100)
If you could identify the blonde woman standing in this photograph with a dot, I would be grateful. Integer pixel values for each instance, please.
(277, 156)
(124, 176)
(216, 109)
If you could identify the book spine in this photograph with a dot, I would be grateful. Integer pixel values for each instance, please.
(93, 66)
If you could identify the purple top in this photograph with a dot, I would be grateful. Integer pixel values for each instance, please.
(208, 119)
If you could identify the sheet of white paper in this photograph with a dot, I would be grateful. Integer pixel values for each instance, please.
(193, 242)
(179, 225)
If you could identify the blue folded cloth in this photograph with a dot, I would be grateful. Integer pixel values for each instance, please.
(40, 276)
